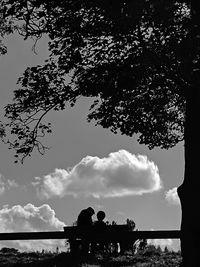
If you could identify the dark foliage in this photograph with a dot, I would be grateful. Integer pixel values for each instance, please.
(132, 57)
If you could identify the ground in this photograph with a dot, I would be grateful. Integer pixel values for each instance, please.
(150, 257)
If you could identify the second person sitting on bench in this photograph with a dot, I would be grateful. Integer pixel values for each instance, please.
(99, 226)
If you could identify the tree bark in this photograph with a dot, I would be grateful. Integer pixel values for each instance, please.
(189, 191)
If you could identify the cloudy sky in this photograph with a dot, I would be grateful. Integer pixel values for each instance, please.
(86, 166)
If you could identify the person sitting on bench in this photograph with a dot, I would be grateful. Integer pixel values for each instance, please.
(85, 220)
(99, 226)
(85, 217)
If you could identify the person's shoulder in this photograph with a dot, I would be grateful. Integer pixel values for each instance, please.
(83, 212)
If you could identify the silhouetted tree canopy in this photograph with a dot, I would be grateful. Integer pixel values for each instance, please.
(134, 57)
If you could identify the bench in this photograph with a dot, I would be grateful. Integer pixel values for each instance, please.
(66, 234)
(78, 236)
(114, 233)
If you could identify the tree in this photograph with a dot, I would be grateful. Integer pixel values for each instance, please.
(4, 30)
(139, 60)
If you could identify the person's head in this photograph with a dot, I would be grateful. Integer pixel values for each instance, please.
(101, 215)
(91, 211)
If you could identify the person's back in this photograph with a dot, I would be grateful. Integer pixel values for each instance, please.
(84, 218)
(99, 226)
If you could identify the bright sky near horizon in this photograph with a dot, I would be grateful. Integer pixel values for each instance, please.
(86, 166)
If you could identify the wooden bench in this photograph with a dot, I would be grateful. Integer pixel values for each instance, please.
(79, 237)
(111, 233)
(72, 231)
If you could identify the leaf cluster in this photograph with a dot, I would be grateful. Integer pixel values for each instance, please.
(137, 59)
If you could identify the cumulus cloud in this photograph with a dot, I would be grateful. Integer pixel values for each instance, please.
(119, 174)
(29, 218)
(172, 196)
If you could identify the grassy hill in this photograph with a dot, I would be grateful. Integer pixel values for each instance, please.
(149, 257)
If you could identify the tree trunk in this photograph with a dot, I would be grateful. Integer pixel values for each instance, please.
(189, 191)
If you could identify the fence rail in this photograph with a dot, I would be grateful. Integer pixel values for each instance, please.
(162, 234)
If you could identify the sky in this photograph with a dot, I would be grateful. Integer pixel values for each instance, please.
(86, 165)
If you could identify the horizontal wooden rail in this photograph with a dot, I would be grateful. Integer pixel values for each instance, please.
(113, 235)
(33, 235)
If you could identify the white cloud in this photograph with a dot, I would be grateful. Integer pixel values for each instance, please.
(2, 185)
(172, 196)
(30, 219)
(6, 184)
(119, 174)
(11, 183)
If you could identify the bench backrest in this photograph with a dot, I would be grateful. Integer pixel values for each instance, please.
(79, 229)
(110, 232)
